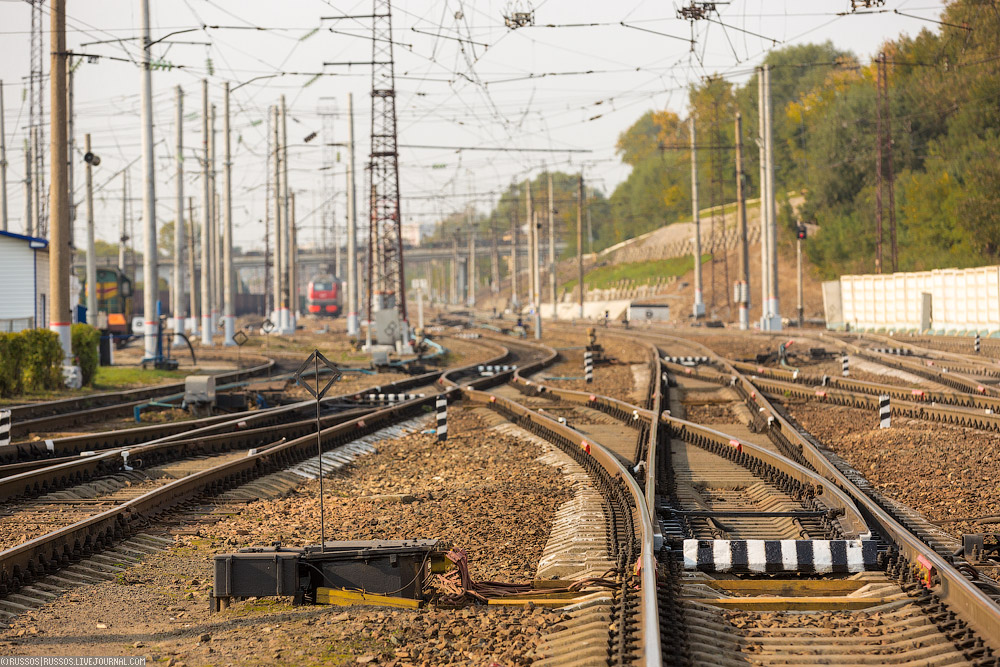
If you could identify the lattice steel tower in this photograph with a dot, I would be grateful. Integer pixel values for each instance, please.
(36, 120)
(385, 234)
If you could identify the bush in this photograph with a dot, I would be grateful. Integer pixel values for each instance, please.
(42, 359)
(11, 362)
(86, 340)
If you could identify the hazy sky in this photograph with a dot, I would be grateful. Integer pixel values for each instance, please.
(462, 79)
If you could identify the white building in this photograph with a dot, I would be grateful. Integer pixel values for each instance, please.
(24, 279)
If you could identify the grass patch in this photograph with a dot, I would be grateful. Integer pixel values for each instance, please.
(119, 377)
(604, 277)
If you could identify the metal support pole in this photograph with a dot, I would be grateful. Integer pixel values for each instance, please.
(293, 272)
(741, 214)
(765, 227)
(536, 273)
(228, 291)
(798, 260)
(150, 269)
(206, 223)
(213, 205)
(192, 274)
(287, 325)
(579, 240)
(515, 301)
(532, 258)
(177, 288)
(353, 329)
(699, 303)
(470, 277)
(91, 251)
(3, 166)
(60, 245)
(552, 251)
(278, 264)
(772, 218)
(70, 149)
(28, 207)
(123, 229)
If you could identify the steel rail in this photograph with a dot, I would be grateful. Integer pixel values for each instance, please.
(50, 552)
(953, 588)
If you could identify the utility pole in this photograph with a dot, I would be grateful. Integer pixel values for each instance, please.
(268, 296)
(579, 240)
(743, 284)
(699, 303)
(206, 223)
(536, 273)
(177, 305)
(515, 301)
(532, 258)
(3, 166)
(353, 329)
(278, 263)
(28, 207)
(91, 251)
(213, 207)
(193, 311)
(800, 236)
(470, 277)
(60, 245)
(453, 290)
(151, 282)
(293, 251)
(288, 312)
(70, 146)
(552, 250)
(494, 259)
(228, 292)
(773, 310)
(123, 230)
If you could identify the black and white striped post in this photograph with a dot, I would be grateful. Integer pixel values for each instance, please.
(884, 411)
(588, 366)
(442, 418)
(844, 366)
(978, 342)
(4, 427)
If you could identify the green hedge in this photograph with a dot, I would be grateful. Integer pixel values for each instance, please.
(11, 362)
(29, 361)
(43, 358)
(85, 343)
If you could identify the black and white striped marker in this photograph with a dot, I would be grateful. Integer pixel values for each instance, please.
(780, 555)
(978, 342)
(588, 366)
(4, 427)
(442, 418)
(884, 411)
(898, 351)
(392, 398)
(487, 371)
(686, 361)
(844, 366)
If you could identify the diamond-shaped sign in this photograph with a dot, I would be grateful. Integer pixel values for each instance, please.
(314, 360)
(267, 326)
(240, 338)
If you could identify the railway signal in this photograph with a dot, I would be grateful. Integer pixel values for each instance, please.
(318, 393)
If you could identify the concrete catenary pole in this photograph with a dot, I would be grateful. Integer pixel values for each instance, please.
(293, 251)
(353, 329)
(470, 278)
(278, 264)
(743, 289)
(699, 302)
(177, 287)
(206, 223)
(192, 274)
(515, 300)
(552, 250)
(91, 251)
(287, 325)
(536, 274)
(579, 240)
(70, 148)
(213, 207)
(532, 258)
(772, 216)
(228, 293)
(3, 166)
(60, 245)
(765, 227)
(150, 276)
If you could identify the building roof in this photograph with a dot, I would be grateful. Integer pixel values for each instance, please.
(34, 241)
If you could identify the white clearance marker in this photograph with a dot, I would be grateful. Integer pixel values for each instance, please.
(978, 342)
(884, 411)
(50, 446)
(442, 418)
(844, 366)
(5, 422)
(588, 366)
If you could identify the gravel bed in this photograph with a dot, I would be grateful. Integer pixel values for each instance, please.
(614, 380)
(481, 490)
(942, 471)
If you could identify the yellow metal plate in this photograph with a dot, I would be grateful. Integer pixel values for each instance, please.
(343, 598)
